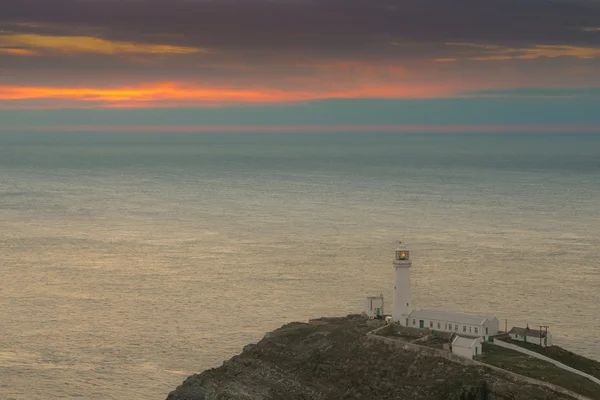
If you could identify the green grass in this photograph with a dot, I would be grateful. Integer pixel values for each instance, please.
(566, 357)
(523, 364)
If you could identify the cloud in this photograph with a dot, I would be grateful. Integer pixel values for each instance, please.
(222, 51)
(181, 94)
(533, 92)
(143, 93)
(345, 26)
(264, 35)
(442, 60)
(492, 52)
(31, 43)
(17, 51)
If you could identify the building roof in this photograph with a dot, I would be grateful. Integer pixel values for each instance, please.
(449, 317)
(527, 332)
(460, 341)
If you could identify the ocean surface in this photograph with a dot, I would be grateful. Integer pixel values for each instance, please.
(129, 261)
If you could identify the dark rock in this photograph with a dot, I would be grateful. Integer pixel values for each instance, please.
(331, 358)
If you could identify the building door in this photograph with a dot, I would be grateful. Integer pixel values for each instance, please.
(421, 323)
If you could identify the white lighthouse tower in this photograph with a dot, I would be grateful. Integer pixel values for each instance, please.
(402, 305)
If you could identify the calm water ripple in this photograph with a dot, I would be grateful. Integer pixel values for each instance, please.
(130, 261)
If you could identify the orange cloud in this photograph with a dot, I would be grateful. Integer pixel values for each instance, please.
(88, 44)
(17, 52)
(175, 94)
(492, 52)
(143, 93)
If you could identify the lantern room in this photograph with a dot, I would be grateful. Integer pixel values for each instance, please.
(401, 255)
(402, 252)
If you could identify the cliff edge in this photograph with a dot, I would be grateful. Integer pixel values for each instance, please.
(332, 358)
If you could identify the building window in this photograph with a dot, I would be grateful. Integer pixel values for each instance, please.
(469, 329)
(464, 328)
(414, 322)
(476, 330)
(431, 324)
(439, 325)
(456, 327)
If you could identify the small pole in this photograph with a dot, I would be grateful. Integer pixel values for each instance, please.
(546, 330)
(506, 325)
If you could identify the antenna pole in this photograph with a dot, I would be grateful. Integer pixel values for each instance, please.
(546, 331)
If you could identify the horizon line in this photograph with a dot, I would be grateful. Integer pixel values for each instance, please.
(312, 128)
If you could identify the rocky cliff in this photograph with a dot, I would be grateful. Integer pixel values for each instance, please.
(331, 358)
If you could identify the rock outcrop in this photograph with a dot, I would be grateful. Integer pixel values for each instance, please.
(331, 358)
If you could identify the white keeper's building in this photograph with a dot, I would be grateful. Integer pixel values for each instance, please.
(471, 325)
(534, 336)
(466, 347)
(404, 314)
(374, 306)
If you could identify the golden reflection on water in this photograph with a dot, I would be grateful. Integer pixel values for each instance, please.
(116, 283)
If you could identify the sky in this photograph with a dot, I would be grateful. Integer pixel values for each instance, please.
(289, 62)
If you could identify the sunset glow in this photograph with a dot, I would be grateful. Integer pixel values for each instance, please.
(173, 94)
(88, 44)
(73, 54)
(142, 93)
(17, 52)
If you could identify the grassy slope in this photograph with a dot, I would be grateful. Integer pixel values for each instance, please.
(566, 357)
(528, 366)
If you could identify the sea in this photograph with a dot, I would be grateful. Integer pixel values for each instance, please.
(129, 261)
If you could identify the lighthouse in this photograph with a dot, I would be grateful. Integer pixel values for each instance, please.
(402, 305)
(406, 315)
